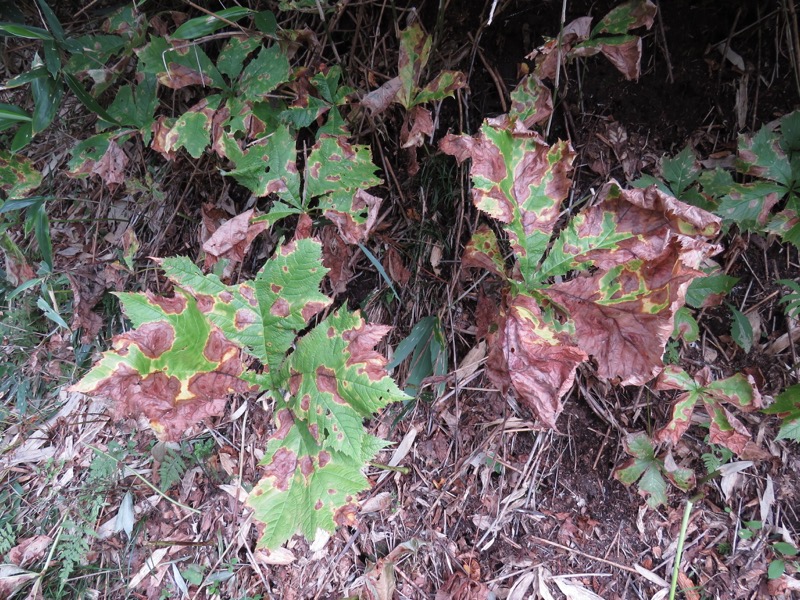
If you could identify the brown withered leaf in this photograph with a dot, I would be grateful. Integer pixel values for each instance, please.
(29, 550)
(379, 100)
(179, 76)
(417, 127)
(541, 363)
(393, 263)
(88, 286)
(232, 239)
(161, 128)
(337, 256)
(110, 167)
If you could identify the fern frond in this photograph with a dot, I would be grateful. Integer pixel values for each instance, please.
(792, 299)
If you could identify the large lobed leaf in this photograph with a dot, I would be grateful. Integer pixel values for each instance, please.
(314, 460)
(306, 488)
(175, 368)
(184, 357)
(264, 315)
(520, 181)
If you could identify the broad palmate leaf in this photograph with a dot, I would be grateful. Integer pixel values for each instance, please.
(175, 368)
(185, 357)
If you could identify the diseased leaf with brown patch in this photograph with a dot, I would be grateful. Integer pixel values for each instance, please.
(518, 180)
(305, 487)
(644, 247)
(483, 251)
(175, 369)
(314, 459)
(624, 317)
(531, 102)
(232, 239)
(541, 361)
(724, 428)
(336, 379)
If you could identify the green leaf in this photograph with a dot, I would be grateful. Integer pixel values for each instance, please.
(87, 99)
(626, 16)
(776, 569)
(791, 301)
(41, 222)
(25, 31)
(741, 329)
(644, 467)
(135, 106)
(18, 176)
(233, 54)
(51, 20)
(37, 72)
(13, 113)
(336, 167)
(709, 290)
(51, 313)
(267, 167)
(192, 130)
(22, 138)
(785, 549)
(264, 73)
(681, 171)
(787, 406)
(202, 26)
(790, 132)
(266, 22)
(47, 95)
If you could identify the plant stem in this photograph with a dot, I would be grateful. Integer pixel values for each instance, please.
(403, 470)
(679, 551)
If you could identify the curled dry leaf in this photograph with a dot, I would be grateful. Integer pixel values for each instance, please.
(29, 550)
(393, 264)
(232, 239)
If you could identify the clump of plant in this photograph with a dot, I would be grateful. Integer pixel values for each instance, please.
(604, 286)
(189, 351)
(761, 195)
